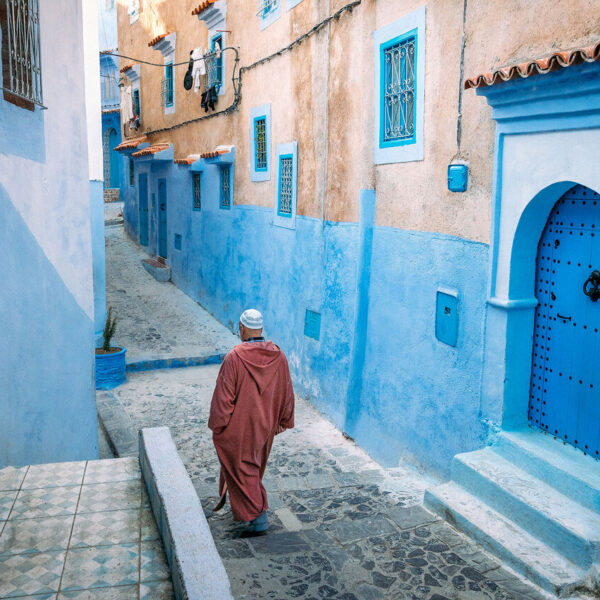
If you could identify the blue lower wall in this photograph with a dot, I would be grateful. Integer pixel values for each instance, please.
(98, 257)
(47, 396)
(379, 373)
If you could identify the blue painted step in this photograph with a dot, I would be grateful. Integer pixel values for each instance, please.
(512, 544)
(555, 519)
(567, 469)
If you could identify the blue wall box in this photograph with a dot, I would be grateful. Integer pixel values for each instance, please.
(312, 325)
(458, 176)
(446, 317)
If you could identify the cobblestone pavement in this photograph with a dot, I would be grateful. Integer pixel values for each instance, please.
(155, 320)
(79, 530)
(341, 526)
(113, 212)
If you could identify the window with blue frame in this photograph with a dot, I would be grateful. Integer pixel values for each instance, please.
(216, 45)
(196, 191)
(136, 104)
(260, 143)
(225, 187)
(168, 85)
(399, 53)
(268, 11)
(286, 180)
(398, 67)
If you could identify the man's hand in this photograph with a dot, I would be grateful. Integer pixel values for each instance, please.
(279, 430)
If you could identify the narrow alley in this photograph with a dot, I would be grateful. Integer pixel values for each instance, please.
(341, 526)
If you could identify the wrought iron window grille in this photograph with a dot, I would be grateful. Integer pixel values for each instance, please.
(197, 191)
(166, 87)
(286, 167)
(266, 7)
(260, 143)
(21, 56)
(225, 199)
(399, 90)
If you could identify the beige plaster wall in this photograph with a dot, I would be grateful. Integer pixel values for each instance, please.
(322, 93)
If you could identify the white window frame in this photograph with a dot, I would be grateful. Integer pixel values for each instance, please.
(412, 151)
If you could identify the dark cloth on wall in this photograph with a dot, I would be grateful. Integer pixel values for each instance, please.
(209, 99)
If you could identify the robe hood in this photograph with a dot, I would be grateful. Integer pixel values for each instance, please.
(262, 361)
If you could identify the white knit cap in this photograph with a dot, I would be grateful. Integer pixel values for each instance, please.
(252, 319)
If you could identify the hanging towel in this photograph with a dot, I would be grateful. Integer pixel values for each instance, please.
(126, 104)
(199, 67)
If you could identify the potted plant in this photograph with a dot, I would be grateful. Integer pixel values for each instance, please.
(110, 360)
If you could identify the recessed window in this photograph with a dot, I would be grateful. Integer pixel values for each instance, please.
(137, 111)
(268, 11)
(167, 85)
(398, 94)
(196, 191)
(260, 144)
(287, 177)
(21, 58)
(225, 187)
(399, 89)
(131, 172)
(215, 74)
(286, 170)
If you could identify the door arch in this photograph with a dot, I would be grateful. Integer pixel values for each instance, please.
(564, 398)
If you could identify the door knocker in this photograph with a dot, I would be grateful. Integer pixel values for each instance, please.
(591, 287)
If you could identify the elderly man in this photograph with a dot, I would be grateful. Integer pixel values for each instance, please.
(253, 401)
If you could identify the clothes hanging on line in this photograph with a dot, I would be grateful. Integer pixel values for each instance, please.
(209, 99)
(199, 67)
(126, 104)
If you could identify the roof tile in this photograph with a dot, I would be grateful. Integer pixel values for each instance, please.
(152, 149)
(157, 39)
(130, 143)
(202, 6)
(558, 60)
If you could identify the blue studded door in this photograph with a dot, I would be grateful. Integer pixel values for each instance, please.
(162, 218)
(143, 206)
(565, 382)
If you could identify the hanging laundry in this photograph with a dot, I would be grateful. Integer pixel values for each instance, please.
(209, 99)
(187, 78)
(199, 67)
(126, 104)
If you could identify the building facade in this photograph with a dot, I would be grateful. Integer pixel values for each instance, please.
(386, 219)
(47, 396)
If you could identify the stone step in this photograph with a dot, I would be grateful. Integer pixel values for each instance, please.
(516, 547)
(567, 468)
(554, 518)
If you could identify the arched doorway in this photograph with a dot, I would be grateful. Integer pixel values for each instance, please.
(564, 396)
(110, 158)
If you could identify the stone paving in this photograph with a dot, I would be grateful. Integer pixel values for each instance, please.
(113, 213)
(155, 320)
(79, 530)
(341, 526)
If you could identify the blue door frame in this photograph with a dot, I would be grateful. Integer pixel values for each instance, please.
(143, 207)
(162, 218)
(565, 381)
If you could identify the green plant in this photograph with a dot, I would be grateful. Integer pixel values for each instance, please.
(109, 329)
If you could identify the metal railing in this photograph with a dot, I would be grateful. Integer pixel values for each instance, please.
(22, 69)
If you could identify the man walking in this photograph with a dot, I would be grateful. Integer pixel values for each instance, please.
(253, 401)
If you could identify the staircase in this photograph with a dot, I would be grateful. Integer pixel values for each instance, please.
(532, 501)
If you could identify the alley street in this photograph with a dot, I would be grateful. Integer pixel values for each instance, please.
(341, 526)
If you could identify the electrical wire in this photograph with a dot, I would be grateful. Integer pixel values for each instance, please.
(237, 81)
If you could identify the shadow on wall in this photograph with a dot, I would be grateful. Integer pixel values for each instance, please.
(47, 398)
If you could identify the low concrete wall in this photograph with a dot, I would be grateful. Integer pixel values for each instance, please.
(196, 567)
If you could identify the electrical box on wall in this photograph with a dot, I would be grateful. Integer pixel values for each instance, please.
(458, 177)
(312, 325)
(446, 317)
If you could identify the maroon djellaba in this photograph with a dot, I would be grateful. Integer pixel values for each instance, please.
(252, 402)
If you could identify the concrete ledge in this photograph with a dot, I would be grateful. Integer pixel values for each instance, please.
(196, 567)
(150, 364)
(159, 271)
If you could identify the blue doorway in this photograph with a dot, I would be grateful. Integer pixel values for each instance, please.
(162, 218)
(564, 398)
(143, 208)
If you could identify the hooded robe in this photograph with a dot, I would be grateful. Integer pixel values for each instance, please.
(252, 398)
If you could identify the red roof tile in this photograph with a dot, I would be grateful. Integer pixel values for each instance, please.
(157, 39)
(188, 160)
(202, 6)
(152, 149)
(127, 67)
(556, 61)
(130, 143)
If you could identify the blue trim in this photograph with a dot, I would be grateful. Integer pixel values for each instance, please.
(255, 149)
(382, 48)
(220, 61)
(260, 112)
(270, 17)
(169, 78)
(281, 157)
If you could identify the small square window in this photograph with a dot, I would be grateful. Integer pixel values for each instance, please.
(268, 11)
(225, 187)
(196, 188)
(131, 172)
(260, 143)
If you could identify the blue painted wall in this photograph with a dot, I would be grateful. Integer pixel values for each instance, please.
(47, 402)
(377, 370)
